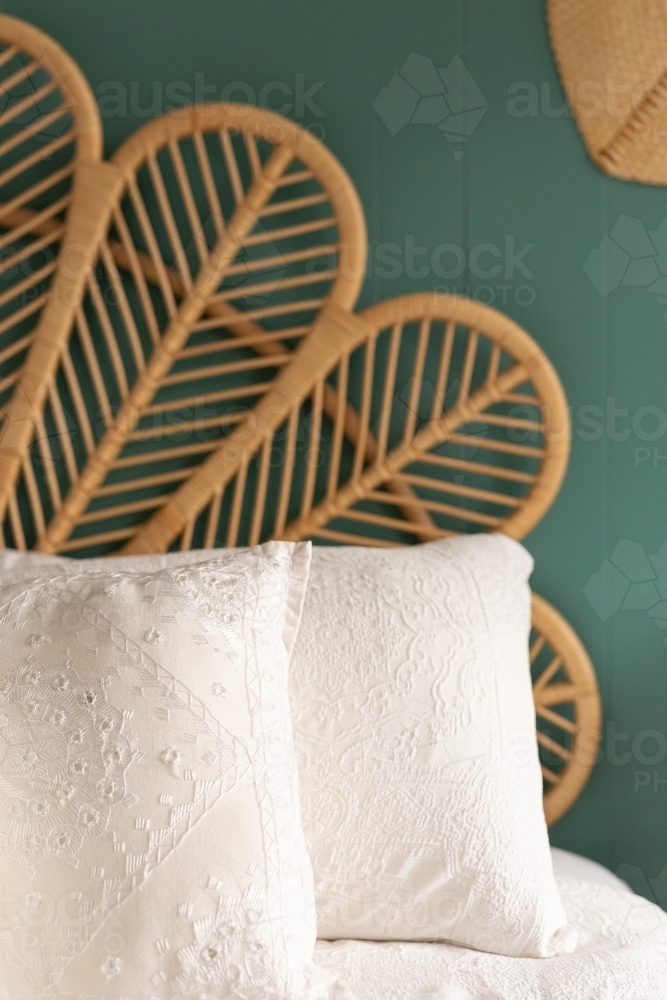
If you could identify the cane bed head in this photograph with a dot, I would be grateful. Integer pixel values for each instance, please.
(198, 378)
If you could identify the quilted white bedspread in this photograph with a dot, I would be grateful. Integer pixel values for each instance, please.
(622, 955)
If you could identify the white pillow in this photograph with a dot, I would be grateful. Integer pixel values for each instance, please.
(150, 842)
(414, 727)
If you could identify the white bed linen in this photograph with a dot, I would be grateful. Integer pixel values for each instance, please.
(569, 865)
(621, 955)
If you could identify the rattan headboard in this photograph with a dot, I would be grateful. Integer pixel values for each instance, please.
(197, 377)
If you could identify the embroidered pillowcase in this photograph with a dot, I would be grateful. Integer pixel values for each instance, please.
(150, 842)
(415, 734)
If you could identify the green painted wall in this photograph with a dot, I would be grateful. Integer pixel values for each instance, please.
(523, 202)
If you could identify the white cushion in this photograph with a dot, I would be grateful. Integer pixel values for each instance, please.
(150, 841)
(414, 727)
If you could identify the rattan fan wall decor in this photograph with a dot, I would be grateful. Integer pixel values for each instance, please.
(197, 378)
(612, 58)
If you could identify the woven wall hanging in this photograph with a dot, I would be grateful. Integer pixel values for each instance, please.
(612, 59)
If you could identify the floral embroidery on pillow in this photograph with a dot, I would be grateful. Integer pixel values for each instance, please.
(63, 760)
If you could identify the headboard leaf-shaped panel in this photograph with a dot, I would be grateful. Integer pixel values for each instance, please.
(50, 131)
(425, 416)
(567, 707)
(227, 231)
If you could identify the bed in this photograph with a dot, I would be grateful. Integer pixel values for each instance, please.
(621, 953)
(199, 379)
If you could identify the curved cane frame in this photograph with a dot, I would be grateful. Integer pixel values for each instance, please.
(50, 131)
(19, 36)
(567, 682)
(483, 446)
(476, 402)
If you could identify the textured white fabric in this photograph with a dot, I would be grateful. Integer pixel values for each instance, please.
(414, 727)
(621, 955)
(15, 564)
(150, 843)
(569, 865)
